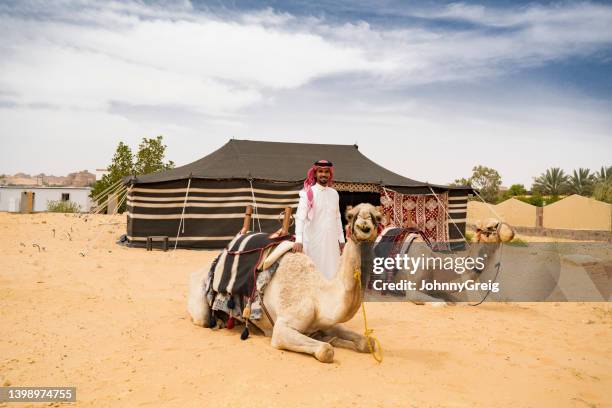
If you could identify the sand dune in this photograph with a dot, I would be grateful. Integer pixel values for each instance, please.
(114, 324)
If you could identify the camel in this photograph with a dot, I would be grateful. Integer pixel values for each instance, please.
(491, 232)
(306, 309)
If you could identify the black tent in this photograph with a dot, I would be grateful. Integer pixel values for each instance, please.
(210, 194)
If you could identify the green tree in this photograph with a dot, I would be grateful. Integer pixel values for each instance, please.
(581, 182)
(604, 174)
(148, 159)
(121, 166)
(514, 191)
(460, 182)
(553, 182)
(602, 191)
(150, 156)
(486, 180)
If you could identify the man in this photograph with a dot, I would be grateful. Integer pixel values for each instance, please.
(318, 226)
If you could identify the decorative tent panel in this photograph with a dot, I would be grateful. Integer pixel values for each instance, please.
(427, 212)
(357, 187)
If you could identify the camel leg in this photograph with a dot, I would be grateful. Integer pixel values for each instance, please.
(419, 298)
(340, 336)
(285, 337)
(196, 301)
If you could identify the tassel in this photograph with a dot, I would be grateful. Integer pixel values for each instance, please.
(230, 323)
(245, 334)
(231, 304)
(246, 313)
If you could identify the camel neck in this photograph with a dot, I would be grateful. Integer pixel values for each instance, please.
(350, 261)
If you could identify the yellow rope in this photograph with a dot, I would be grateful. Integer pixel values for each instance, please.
(368, 333)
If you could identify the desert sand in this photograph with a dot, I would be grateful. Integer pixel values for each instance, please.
(114, 324)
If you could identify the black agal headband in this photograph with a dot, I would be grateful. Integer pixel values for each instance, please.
(323, 163)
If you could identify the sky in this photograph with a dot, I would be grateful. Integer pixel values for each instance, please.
(427, 89)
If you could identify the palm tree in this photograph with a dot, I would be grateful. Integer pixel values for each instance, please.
(552, 182)
(581, 182)
(603, 175)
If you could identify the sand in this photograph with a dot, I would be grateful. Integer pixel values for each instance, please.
(114, 324)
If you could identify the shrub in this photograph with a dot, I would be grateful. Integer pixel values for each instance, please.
(519, 242)
(603, 191)
(63, 206)
(538, 200)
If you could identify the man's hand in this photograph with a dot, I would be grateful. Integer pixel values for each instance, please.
(298, 247)
(341, 245)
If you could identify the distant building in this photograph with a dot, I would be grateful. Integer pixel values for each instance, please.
(81, 178)
(35, 198)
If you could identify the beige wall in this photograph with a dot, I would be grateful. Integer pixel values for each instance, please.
(512, 211)
(477, 210)
(577, 212)
(574, 212)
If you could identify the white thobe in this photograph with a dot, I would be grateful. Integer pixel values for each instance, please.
(321, 230)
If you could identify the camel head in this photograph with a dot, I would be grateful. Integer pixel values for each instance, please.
(493, 231)
(363, 221)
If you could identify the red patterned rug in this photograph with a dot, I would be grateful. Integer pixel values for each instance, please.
(423, 210)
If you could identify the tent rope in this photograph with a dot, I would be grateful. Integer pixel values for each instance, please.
(119, 204)
(182, 221)
(254, 205)
(103, 192)
(489, 207)
(101, 208)
(116, 190)
(501, 249)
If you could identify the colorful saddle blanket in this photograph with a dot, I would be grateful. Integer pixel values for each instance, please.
(235, 270)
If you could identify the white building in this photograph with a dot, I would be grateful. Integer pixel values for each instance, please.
(11, 197)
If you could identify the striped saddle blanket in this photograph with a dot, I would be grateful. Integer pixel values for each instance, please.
(235, 270)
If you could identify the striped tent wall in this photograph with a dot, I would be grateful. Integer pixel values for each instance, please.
(457, 212)
(214, 210)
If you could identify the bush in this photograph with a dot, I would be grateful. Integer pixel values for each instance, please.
(538, 200)
(603, 191)
(63, 206)
(519, 242)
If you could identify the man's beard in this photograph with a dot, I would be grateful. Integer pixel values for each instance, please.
(322, 181)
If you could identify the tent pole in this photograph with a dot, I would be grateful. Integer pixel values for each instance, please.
(286, 219)
(247, 219)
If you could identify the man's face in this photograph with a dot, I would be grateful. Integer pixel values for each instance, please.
(322, 175)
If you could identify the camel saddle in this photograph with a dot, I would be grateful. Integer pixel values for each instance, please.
(236, 268)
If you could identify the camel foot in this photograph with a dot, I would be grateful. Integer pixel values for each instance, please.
(325, 353)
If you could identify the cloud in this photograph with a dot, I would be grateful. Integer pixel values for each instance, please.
(123, 70)
(85, 54)
(145, 59)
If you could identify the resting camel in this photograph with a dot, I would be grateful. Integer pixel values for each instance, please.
(491, 233)
(307, 309)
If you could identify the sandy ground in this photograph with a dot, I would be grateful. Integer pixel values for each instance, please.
(113, 323)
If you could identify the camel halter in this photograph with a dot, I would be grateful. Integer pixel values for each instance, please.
(367, 332)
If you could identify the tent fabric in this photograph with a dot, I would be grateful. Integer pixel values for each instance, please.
(278, 161)
(214, 210)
